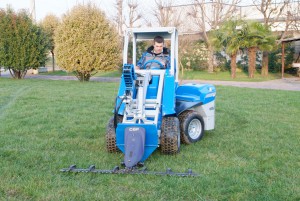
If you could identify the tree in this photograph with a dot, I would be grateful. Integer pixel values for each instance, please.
(86, 43)
(134, 14)
(23, 45)
(272, 14)
(256, 37)
(49, 24)
(229, 37)
(166, 14)
(209, 17)
(128, 18)
(119, 19)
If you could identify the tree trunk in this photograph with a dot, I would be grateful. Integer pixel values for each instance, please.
(210, 59)
(265, 64)
(17, 74)
(182, 70)
(210, 54)
(83, 76)
(53, 61)
(252, 61)
(233, 66)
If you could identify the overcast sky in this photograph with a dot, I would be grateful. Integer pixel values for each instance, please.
(59, 7)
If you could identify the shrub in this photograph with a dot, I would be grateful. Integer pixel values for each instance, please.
(86, 42)
(194, 56)
(23, 44)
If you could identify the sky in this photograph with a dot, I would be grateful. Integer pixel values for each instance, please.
(56, 7)
(59, 7)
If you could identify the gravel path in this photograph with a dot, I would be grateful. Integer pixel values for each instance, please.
(290, 84)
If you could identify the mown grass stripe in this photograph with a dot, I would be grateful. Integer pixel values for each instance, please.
(11, 100)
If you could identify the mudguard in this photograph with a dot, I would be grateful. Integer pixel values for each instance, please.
(193, 95)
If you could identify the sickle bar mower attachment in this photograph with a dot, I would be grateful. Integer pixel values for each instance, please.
(134, 170)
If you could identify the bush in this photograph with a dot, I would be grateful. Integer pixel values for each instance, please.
(223, 63)
(23, 44)
(86, 42)
(194, 56)
(275, 58)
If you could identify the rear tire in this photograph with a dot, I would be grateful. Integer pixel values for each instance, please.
(111, 135)
(170, 135)
(191, 127)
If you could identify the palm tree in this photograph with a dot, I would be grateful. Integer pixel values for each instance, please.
(256, 37)
(230, 39)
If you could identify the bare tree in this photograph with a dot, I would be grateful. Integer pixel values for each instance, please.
(119, 18)
(134, 14)
(162, 12)
(127, 15)
(209, 16)
(295, 15)
(166, 14)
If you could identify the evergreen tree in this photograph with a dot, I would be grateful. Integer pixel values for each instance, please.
(23, 45)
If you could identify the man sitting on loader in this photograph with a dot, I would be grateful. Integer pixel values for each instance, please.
(155, 52)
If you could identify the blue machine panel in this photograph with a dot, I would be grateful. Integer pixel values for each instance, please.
(168, 99)
(151, 142)
(153, 87)
(121, 93)
(191, 95)
(203, 93)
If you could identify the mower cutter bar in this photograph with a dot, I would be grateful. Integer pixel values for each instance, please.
(117, 170)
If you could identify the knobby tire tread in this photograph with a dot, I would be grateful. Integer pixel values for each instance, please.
(111, 146)
(169, 135)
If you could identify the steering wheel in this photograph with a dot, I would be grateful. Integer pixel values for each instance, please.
(153, 61)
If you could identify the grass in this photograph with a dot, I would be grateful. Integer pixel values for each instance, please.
(58, 72)
(192, 75)
(225, 76)
(99, 74)
(253, 154)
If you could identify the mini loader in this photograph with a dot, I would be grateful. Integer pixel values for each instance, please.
(153, 111)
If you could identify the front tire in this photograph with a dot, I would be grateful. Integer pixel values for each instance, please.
(191, 127)
(111, 135)
(170, 135)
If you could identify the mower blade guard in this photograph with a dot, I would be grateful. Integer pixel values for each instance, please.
(134, 145)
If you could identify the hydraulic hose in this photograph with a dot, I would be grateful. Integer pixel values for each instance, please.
(116, 109)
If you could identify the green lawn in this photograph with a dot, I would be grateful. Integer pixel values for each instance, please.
(225, 76)
(99, 74)
(193, 75)
(253, 154)
(58, 72)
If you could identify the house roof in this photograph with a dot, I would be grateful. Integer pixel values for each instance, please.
(286, 40)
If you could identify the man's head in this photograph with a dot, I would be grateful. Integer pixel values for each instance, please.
(158, 44)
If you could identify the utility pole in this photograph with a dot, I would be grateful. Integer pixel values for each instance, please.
(32, 10)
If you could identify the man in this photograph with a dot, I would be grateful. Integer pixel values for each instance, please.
(156, 52)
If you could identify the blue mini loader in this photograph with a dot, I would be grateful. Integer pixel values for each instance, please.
(152, 110)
